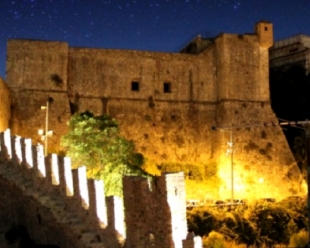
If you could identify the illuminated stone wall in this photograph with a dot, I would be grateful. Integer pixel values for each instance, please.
(61, 206)
(226, 84)
(37, 70)
(156, 213)
(5, 105)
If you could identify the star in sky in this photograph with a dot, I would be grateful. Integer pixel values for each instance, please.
(155, 25)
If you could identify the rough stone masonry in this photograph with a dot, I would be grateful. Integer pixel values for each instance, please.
(166, 103)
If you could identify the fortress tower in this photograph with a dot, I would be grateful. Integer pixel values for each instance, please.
(264, 30)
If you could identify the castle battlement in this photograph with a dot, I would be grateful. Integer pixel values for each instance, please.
(62, 206)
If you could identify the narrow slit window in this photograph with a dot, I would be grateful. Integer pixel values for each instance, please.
(266, 28)
(135, 86)
(167, 87)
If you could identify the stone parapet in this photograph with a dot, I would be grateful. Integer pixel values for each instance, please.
(59, 205)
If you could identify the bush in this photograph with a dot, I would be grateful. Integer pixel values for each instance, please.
(213, 240)
(299, 239)
(255, 225)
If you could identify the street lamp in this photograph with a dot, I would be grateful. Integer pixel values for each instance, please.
(230, 150)
(46, 133)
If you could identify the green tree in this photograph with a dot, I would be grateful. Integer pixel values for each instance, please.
(95, 141)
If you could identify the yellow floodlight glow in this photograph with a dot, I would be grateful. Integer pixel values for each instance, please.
(41, 132)
(261, 180)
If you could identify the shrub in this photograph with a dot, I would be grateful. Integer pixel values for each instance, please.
(299, 239)
(213, 240)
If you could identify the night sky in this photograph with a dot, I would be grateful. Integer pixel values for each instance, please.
(154, 25)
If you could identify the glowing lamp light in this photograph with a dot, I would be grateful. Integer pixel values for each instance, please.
(261, 180)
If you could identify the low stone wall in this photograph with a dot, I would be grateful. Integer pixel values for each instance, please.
(61, 206)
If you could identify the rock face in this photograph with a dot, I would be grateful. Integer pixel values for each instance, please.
(166, 103)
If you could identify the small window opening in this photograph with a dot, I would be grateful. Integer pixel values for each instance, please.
(266, 28)
(135, 86)
(167, 87)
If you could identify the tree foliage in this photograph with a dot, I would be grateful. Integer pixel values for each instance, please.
(95, 141)
(253, 225)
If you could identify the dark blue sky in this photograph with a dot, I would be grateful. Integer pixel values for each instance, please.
(155, 25)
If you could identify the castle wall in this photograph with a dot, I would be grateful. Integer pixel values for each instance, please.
(155, 120)
(145, 228)
(109, 73)
(5, 105)
(242, 68)
(37, 65)
(61, 206)
(37, 70)
(28, 117)
(244, 105)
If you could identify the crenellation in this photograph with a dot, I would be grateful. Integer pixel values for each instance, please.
(62, 178)
(161, 202)
(48, 179)
(16, 149)
(75, 203)
(83, 187)
(40, 160)
(78, 206)
(96, 204)
(27, 153)
(115, 215)
(68, 176)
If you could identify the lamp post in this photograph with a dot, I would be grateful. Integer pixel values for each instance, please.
(46, 132)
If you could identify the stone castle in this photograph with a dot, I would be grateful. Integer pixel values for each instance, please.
(167, 103)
